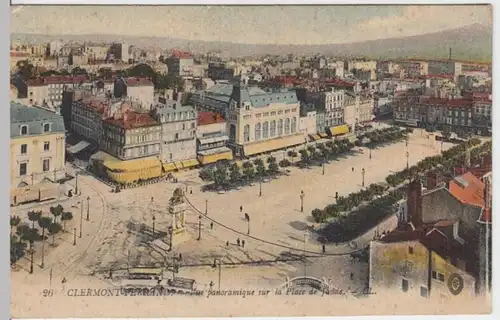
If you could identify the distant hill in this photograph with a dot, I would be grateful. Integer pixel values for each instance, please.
(473, 42)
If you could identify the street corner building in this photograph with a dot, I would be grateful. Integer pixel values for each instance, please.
(441, 248)
(37, 153)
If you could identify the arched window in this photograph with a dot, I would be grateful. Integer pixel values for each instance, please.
(280, 127)
(287, 125)
(265, 130)
(273, 128)
(294, 124)
(257, 131)
(246, 133)
(24, 130)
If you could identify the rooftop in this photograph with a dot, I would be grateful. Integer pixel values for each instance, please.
(181, 55)
(468, 189)
(43, 81)
(447, 102)
(206, 118)
(34, 117)
(131, 120)
(138, 82)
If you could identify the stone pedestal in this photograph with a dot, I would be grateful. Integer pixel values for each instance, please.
(177, 208)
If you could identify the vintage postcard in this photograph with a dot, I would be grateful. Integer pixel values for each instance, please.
(204, 161)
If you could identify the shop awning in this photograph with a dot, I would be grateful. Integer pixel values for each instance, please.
(338, 130)
(323, 135)
(133, 164)
(167, 167)
(80, 146)
(178, 165)
(190, 163)
(314, 137)
(273, 144)
(214, 157)
(213, 139)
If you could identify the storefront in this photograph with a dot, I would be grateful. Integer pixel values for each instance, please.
(273, 144)
(214, 155)
(339, 130)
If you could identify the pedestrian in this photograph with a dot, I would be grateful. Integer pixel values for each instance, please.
(324, 249)
(191, 191)
(352, 275)
(211, 225)
(227, 243)
(180, 256)
(241, 208)
(238, 242)
(243, 243)
(63, 280)
(352, 169)
(211, 284)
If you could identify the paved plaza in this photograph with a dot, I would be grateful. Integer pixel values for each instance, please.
(119, 232)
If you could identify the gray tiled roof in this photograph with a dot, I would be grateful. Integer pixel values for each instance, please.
(34, 118)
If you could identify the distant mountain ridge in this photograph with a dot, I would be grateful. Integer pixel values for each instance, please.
(473, 42)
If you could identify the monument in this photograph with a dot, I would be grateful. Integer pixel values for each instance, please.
(177, 208)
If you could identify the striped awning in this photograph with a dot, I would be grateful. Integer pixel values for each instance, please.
(338, 130)
(167, 167)
(211, 158)
(273, 144)
(190, 163)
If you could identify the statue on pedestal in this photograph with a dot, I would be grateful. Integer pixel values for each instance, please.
(177, 208)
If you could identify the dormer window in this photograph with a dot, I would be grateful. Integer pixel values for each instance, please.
(46, 127)
(24, 130)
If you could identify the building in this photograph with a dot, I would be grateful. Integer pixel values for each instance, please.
(219, 71)
(15, 58)
(211, 136)
(351, 110)
(37, 153)
(415, 68)
(333, 104)
(366, 65)
(437, 249)
(55, 47)
(261, 122)
(307, 124)
(131, 135)
(180, 64)
(86, 117)
(365, 107)
(178, 134)
(49, 90)
(120, 51)
(96, 52)
(140, 90)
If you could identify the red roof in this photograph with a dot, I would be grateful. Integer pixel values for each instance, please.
(338, 82)
(137, 82)
(207, 117)
(181, 55)
(19, 54)
(132, 119)
(43, 81)
(438, 76)
(472, 193)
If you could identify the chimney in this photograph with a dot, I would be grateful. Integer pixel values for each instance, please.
(414, 203)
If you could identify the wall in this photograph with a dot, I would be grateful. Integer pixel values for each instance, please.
(142, 94)
(308, 124)
(35, 156)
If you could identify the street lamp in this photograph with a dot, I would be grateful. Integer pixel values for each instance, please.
(215, 266)
(74, 236)
(76, 183)
(171, 234)
(88, 208)
(324, 166)
(370, 153)
(206, 207)
(302, 195)
(363, 175)
(81, 217)
(199, 227)
(32, 250)
(407, 156)
(248, 223)
(442, 145)
(154, 218)
(260, 188)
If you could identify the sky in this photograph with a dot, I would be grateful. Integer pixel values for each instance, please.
(250, 24)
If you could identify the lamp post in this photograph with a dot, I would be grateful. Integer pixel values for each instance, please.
(81, 217)
(206, 207)
(215, 266)
(32, 250)
(302, 195)
(88, 208)
(407, 161)
(324, 167)
(363, 176)
(154, 218)
(74, 236)
(248, 224)
(76, 183)
(171, 234)
(260, 188)
(370, 156)
(199, 227)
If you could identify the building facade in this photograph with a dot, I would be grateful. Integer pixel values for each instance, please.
(180, 64)
(37, 148)
(212, 138)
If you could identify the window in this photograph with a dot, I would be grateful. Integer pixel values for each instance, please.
(246, 133)
(280, 127)
(273, 128)
(24, 149)
(24, 130)
(183, 126)
(46, 165)
(265, 130)
(405, 285)
(410, 250)
(257, 131)
(176, 136)
(273, 113)
(170, 157)
(192, 125)
(424, 292)
(46, 146)
(23, 169)
(294, 124)
(438, 276)
(287, 126)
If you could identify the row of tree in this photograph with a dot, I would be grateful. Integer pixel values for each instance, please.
(323, 152)
(377, 190)
(23, 233)
(381, 136)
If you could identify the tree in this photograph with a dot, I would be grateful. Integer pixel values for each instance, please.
(17, 249)
(260, 167)
(304, 156)
(34, 216)
(22, 229)
(206, 174)
(14, 222)
(25, 70)
(56, 211)
(78, 71)
(248, 170)
(284, 163)
(65, 217)
(272, 165)
(234, 172)
(54, 228)
(220, 176)
(319, 215)
(292, 153)
(44, 223)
